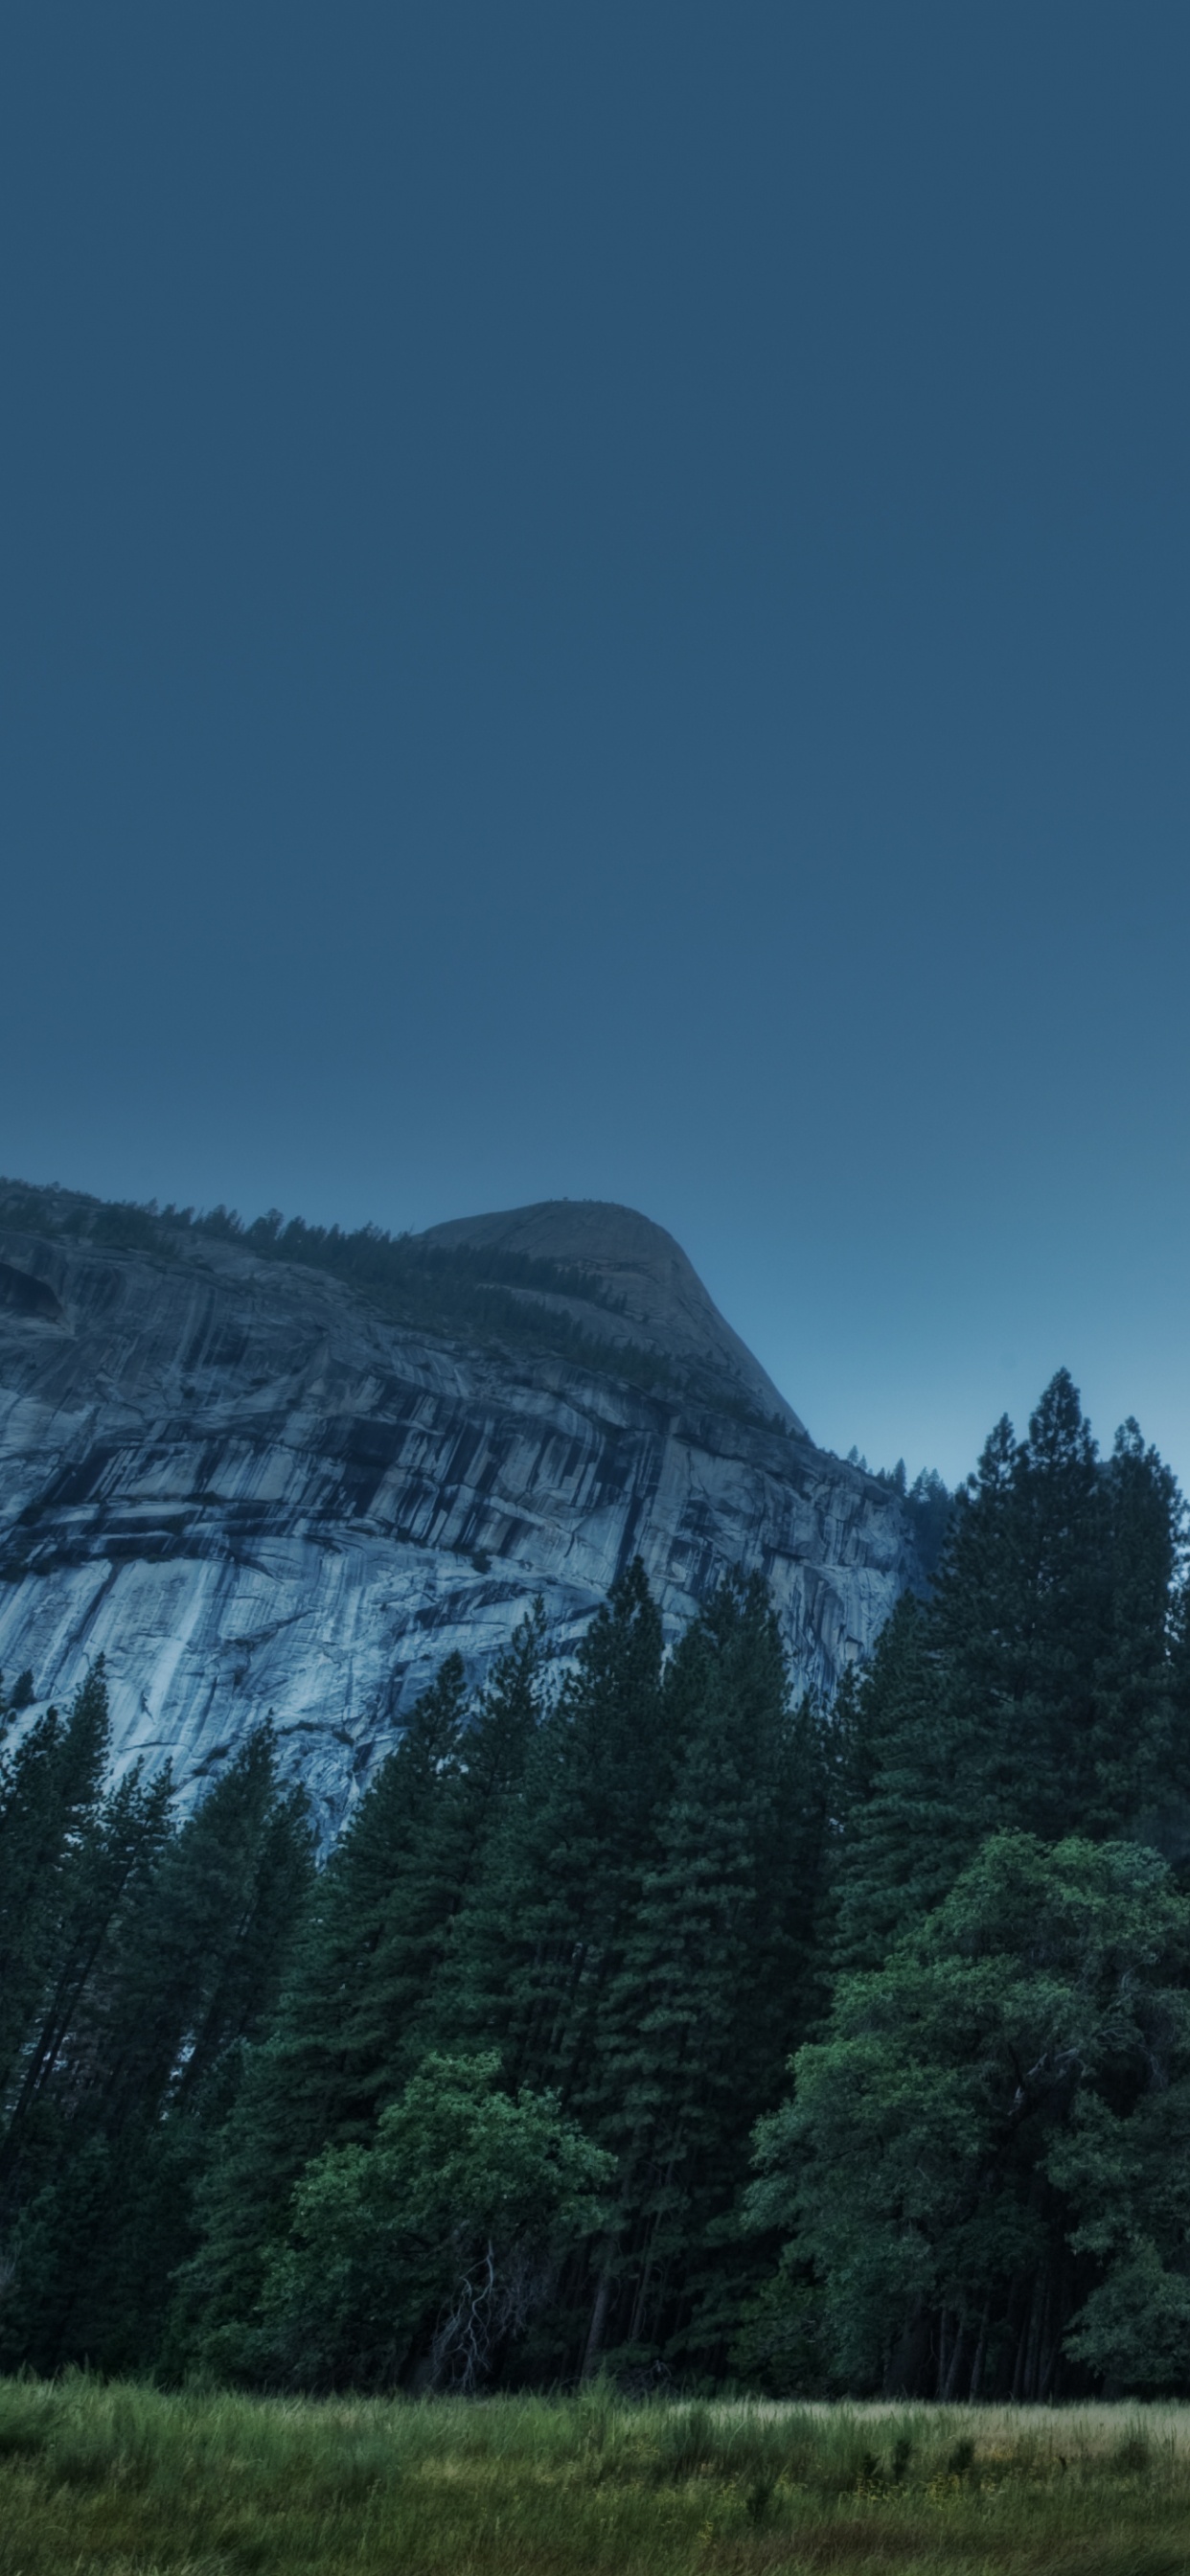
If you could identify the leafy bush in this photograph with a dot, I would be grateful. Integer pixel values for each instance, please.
(431, 2248)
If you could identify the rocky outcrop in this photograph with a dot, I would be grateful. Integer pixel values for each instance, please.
(256, 1493)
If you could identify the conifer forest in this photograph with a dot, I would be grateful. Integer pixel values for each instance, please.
(649, 2026)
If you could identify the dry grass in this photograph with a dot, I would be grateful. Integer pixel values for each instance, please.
(126, 2481)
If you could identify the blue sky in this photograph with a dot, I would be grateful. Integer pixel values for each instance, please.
(594, 602)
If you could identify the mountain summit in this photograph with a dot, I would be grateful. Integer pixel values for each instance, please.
(631, 1283)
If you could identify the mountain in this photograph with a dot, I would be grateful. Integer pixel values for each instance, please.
(632, 1286)
(276, 1470)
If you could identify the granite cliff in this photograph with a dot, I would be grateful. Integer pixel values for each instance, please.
(259, 1487)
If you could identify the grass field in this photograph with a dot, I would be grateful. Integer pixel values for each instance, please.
(132, 2483)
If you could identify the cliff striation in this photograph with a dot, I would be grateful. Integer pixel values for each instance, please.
(258, 1489)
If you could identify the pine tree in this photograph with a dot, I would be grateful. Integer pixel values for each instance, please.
(49, 1791)
(1138, 1740)
(542, 1935)
(395, 2010)
(1036, 1688)
(140, 2066)
(714, 1985)
(902, 1773)
(72, 1858)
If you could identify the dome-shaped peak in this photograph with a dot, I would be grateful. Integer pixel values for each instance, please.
(636, 1269)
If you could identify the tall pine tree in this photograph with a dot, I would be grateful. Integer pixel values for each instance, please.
(1036, 1689)
(542, 1936)
(141, 2066)
(714, 1984)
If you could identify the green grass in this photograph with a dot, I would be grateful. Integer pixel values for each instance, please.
(130, 2482)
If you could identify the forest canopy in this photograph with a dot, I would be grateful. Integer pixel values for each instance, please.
(650, 2022)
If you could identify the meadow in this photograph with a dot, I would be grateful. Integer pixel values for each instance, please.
(124, 2480)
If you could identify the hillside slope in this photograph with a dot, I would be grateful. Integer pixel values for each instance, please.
(257, 1490)
(647, 1292)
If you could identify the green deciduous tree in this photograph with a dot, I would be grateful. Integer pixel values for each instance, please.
(425, 2253)
(984, 2158)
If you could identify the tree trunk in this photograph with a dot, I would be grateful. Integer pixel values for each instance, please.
(599, 2314)
(940, 2378)
(1037, 2322)
(956, 2355)
(1022, 2350)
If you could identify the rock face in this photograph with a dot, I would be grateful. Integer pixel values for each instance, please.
(253, 1491)
(650, 1296)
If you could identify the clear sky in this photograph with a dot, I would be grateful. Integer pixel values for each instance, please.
(594, 602)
